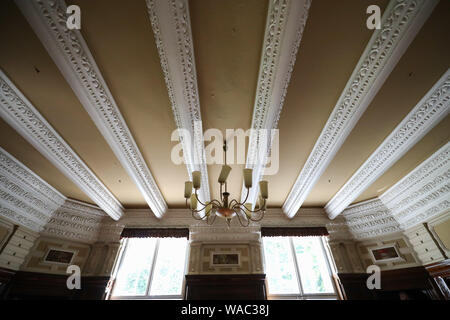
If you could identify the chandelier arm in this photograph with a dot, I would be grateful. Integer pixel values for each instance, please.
(216, 202)
(194, 210)
(246, 197)
(259, 219)
(197, 211)
(213, 219)
(240, 221)
(199, 217)
(203, 204)
(241, 206)
(262, 212)
(230, 204)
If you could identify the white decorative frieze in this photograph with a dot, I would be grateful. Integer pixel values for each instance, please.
(182, 218)
(139, 217)
(430, 110)
(286, 20)
(418, 197)
(173, 36)
(74, 59)
(219, 234)
(422, 193)
(432, 211)
(370, 219)
(24, 197)
(20, 114)
(77, 221)
(401, 21)
(307, 217)
(17, 217)
(338, 229)
(31, 202)
(13, 170)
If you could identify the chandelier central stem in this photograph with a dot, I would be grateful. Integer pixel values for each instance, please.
(225, 208)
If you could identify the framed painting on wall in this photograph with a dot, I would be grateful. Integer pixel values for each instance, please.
(59, 256)
(387, 253)
(225, 259)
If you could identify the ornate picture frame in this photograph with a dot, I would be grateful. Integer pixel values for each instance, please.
(386, 253)
(225, 259)
(59, 256)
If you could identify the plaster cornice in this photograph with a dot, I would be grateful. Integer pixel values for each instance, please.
(418, 197)
(77, 221)
(25, 197)
(20, 114)
(423, 175)
(171, 26)
(430, 110)
(285, 24)
(71, 54)
(28, 200)
(400, 23)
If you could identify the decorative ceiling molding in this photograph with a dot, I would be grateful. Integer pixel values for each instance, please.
(400, 23)
(173, 36)
(370, 219)
(431, 109)
(76, 221)
(111, 230)
(286, 20)
(29, 201)
(432, 211)
(422, 175)
(17, 217)
(218, 234)
(174, 218)
(16, 171)
(419, 196)
(24, 197)
(71, 54)
(338, 230)
(182, 218)
(18, 111)
(423, 192)
(308, 217)
(83, 208)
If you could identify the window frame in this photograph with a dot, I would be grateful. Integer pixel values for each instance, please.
(302, 295)
(120, 259)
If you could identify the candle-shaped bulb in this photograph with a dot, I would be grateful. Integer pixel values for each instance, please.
(187, 189)
(193, 202)
(248, 177)
(224, 173)
(264, 189)
(196, 177)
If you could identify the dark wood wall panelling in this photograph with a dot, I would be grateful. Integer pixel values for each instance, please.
(22, 285)
(417, 283)
(440, 278)
(226, 287)
(6, 276)
(429, 282)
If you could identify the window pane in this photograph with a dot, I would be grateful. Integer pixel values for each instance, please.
(281, 275)
(132, 277)
(169, 268)
(312, 264)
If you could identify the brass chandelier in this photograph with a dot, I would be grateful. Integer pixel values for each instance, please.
(224, 208)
